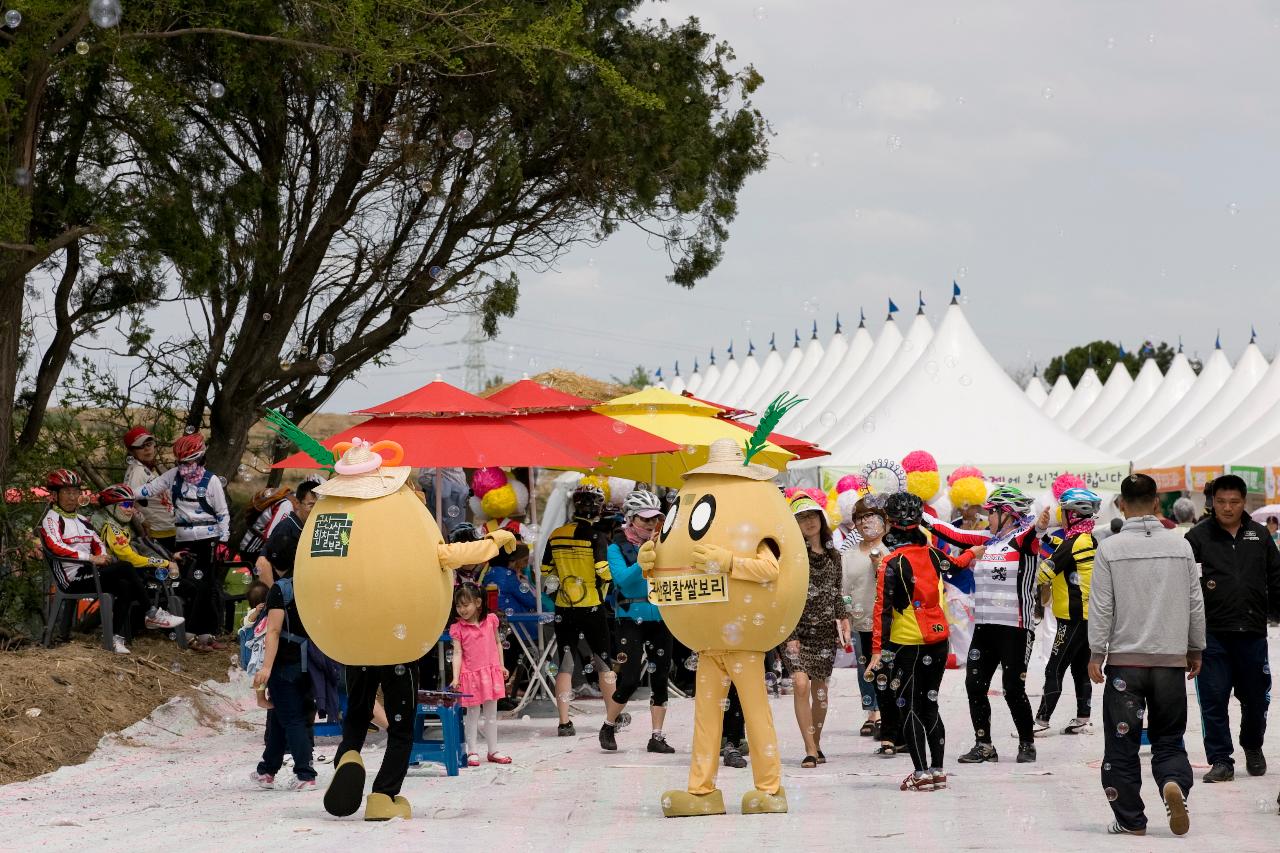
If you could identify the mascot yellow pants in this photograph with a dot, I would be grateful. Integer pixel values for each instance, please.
(716, 669)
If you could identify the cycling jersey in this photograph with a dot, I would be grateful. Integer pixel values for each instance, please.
(910, 607)
(1070, 571)
(577, 554)
(119, 542)
(200, 509)
(68, 534)
(1004, 579)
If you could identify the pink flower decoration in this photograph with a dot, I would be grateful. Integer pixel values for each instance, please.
(962, 472)
(919, 460)
(487, 479)
(851, 483)
(818, 495)
(1067, 481)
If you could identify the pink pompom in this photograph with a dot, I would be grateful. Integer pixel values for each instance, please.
(851, 483)
(962, 472)
(819, 496)
(485, 480)
(919, 460)
(1067, 481)
(791, 492)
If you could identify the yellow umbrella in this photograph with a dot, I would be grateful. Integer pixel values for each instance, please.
(692, 424)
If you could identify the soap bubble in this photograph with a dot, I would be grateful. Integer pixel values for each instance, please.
(758, 619)
(12, 19)
(933, 696)
(326, 362)
(724, 704)
(1233, 208)
(869, 425)
(814, 159)
(400, 632)
(893, 142)
(1047, 93)
(82, 48)
(1112, 794)
(588, 668)
(1119, 684)
(22, 176)
(691, 662)
(882, 681)
(760, 13)
(552, 670)
(974, 654)
(731, 633)
(828, 419)
(266, 317)
(463, 140)
(619, 427)
(1211, 584)
(622, 657)
(399, 669)
(966, 380)
(1122, 729)
(104, 13)
(1074, 578)
(620, 15)
(902, 703)
(197, 575)
(650, 667)
(337, 604)
(926, 660)
(962, 271)
(217, 90)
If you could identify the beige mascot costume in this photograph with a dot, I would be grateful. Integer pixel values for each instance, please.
(374, 586)
(730, 574)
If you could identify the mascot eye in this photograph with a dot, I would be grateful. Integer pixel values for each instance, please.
(671, 521)
(704, 512)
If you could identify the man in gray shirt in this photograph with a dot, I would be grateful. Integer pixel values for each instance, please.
(1146, 620)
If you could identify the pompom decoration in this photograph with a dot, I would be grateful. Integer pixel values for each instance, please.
(602, 483)
(967, 491)
(819, 496)
(919, 460)
(962, 472)
(790, 492)
(845, 502)
(619, 489)
(486, 479)
(522, 496)
(1067, 481)
(477, 513)
(924, 484)
(851, 483)
(500, 502)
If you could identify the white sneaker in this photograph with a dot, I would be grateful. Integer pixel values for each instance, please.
(589, 690)
(121, 648)
(296, 784)
(1078, 726)
(263, 780)
(162, 618)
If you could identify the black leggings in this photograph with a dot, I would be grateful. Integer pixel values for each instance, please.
(1008, 648)
(1070, 650)
(121, 582)
(887, 698)
(199, 589)
(920, 669)
(400, 700)
(654, 640)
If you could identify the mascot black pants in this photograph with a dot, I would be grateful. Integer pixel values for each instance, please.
(399, 685)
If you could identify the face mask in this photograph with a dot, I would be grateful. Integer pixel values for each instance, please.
(871, 527)
(189, 471)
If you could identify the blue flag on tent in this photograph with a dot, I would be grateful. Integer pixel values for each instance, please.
(797, 333)
(751, 348)
(1253, 334)
(677, 368)
(731, 350)
(1123, 354)
(657, 374)
(695, 365)
(713, 355)
(893, 309)
(815, 330)
(955, 289)
(837, 323)
(1217, 342)
(773, 341)
(862, 318)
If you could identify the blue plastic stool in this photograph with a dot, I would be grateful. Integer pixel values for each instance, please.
(449, 750)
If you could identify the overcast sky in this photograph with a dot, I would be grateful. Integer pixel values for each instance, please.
(1083, 169)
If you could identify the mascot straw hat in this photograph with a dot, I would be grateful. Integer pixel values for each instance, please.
(366, 470)
(725, 457)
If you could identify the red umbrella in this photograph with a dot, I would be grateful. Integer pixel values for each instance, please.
(801, 448)
(437, 399)
(529, 396)
(472, 442)
(568, 420)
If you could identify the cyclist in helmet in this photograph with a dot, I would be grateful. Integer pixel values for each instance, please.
(644, 642)
(1004, 625)
(1068, 573)
(203, 521)
(68, 534)
(575, 567)
(112, 522)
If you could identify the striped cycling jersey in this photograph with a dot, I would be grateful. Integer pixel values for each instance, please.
(68, 534)
(1005, 577)
(910, 607)
(1070, 572)
(577, 554)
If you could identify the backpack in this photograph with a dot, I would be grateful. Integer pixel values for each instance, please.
(253, 639)
(257, 516)
(201, 488)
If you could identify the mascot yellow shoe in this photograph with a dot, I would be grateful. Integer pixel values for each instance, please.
(382, 807)
(731, 547)
(685, 804)
(346, 788)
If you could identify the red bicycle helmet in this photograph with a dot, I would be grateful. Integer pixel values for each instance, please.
(189, 448)
(62, 478)
(119, 493)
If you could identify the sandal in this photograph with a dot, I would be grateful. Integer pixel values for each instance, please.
(194, 644)
(822, 759)
(809, 762)
(867, 728)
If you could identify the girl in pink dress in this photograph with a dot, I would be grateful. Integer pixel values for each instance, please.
(478, 669)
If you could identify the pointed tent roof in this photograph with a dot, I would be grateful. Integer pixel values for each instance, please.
(959, 367)
(1214, 374)
(748, 373)
(1144, 387)
(860, 346)
(1114, 390)
(1035, 391)
(711, 375)
(677, 384)
(436, 399)
(764, 393)
(1059, 396)
(1177, 382)
(886, 347)
(728, 375)
(834, 354)
(769, 370)
(1087, 390)
(1256, 415)
(910, 356)
(1179, 446)
(694, 382)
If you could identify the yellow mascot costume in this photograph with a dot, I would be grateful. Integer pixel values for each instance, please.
(374, 587)
(730, 574)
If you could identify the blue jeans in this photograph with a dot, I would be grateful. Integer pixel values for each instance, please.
(1160, 692)
(1233, 662)
(289, 723)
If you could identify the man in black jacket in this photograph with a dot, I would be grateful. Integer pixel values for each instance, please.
(1240, 577)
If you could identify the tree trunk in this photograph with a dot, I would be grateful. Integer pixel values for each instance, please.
(230, 419)
(11, 293)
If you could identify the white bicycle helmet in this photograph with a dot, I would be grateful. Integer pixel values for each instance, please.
(641, 503)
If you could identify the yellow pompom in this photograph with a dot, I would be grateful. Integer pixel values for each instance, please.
(602, 483)
(833, 511)
(924, 484)
(500, 502)
(968, 491)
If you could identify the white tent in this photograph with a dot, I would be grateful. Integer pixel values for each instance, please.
(957, 376)
(1200, 431)
(909, 355)
(1035, 390)
(844, 399)
(1144, 387)
(1214, 374)
(810, 353)
(1253, 423)
(1087, 391)
(676, 385)
(710, 376)
(859, 348)
(832, 358)
(1059, 396)
(1177, 382)
(769, 370)
(728, 375)
(748, 373)
(1114, 390)
(1260, 455)
(694, 382)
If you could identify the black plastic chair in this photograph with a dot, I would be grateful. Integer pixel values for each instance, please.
(53, 614)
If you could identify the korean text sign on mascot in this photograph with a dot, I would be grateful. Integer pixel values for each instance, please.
(730, 573)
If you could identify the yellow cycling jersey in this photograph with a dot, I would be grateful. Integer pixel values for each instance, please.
(1070, 572)
(577, 554)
